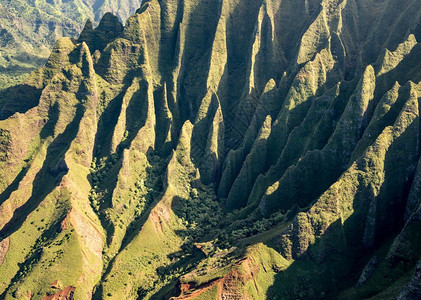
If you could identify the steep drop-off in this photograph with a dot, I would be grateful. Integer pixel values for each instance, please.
(219, 150)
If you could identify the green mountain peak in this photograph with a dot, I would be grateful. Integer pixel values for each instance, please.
(218, 150)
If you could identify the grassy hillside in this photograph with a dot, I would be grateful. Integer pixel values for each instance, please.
(29, 29)
(219, 150)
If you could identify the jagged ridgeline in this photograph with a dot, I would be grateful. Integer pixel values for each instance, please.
(29, 29)
(219, 149)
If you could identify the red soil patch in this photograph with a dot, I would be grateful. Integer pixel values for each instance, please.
(66, 294)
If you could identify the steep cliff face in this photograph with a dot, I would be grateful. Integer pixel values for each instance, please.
(29, 29)
(219, 150)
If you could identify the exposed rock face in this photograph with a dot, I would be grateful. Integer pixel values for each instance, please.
(108, 30)
(368, 271)
(283, 137)
(66, 294)
(413, 289)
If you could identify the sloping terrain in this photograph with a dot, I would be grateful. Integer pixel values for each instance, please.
(29, 29)
(219, 150)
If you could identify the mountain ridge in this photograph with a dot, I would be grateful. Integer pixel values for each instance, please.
(219, 149)
(29, 30)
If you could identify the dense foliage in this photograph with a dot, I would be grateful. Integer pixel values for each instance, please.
(219, 150)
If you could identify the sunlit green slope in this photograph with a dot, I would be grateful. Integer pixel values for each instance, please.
(219, 150)
(29, 29)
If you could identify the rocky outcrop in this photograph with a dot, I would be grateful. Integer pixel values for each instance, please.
(108, 30)
(413, 289)
(66, 294)
(367, 272)
(280, 136)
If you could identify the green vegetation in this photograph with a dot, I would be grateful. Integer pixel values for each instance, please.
(201, 213)
(4, 144)
(214, 149)
(29, 30)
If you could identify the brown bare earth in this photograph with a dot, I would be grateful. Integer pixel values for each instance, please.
(218, 149)
(4, 247)
(66, 294)
(229, 286)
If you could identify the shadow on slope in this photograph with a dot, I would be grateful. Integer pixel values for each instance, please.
(20, 98)
(50, 175)
(333, 263)
(46, 131)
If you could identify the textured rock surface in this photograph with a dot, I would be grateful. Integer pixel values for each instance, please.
(413, 289)
(367, 272)
(219, 149)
